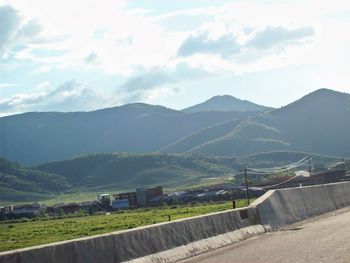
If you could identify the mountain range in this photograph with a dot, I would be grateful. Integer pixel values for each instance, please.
(38, 137)
(317, 123)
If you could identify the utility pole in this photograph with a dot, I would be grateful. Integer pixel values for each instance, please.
(246, 184)
(309, 164)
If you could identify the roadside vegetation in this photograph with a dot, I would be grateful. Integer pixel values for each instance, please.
(42, 230)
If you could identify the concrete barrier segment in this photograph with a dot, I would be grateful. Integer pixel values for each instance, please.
(130, 244)
(202, 246)
(286, 206)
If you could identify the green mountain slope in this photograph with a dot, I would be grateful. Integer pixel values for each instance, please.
(34, 138)
(202, 136)
(319, 122)
(18, 183)
(127, 171)
(122, 171)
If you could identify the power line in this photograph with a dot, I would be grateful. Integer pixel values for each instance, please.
(335, 164)
(275, 170)
(281, 168)
(274, 185)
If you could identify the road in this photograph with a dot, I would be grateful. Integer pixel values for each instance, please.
(322, 239)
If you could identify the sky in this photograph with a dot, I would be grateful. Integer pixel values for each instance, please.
(87, 54)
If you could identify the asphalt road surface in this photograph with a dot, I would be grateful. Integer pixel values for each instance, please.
(322, 239)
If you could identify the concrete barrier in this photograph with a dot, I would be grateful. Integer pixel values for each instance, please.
(286, 206)
(202, 246)
(135, 243)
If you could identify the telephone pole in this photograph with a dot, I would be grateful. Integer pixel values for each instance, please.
(246, 185)
(309, 165)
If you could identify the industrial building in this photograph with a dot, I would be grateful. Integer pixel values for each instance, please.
(18, 211)
(140, 198)
(124, 201)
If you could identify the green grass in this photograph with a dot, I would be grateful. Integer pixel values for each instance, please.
(14, 235)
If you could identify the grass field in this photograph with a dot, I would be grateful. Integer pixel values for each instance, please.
(16, 234)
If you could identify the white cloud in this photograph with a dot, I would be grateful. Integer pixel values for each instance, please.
(128, 39)
(30, 29)
(9, 25)
(123, 38)
(159, 80)
(266, 35)
(70, 96)
(273, 36)
(7, 85)
(43, 86)
(21, 35)
(92, 58)
(14, 31)
(226, 45)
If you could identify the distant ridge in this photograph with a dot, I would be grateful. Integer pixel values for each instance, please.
(318, 122)
(37, 137)
(225, 103)
(122, 171)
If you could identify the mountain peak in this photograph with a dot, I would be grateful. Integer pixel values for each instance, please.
(225, 103)
(137, 107)
(320, 102)
(326, 92)
(324, 97)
